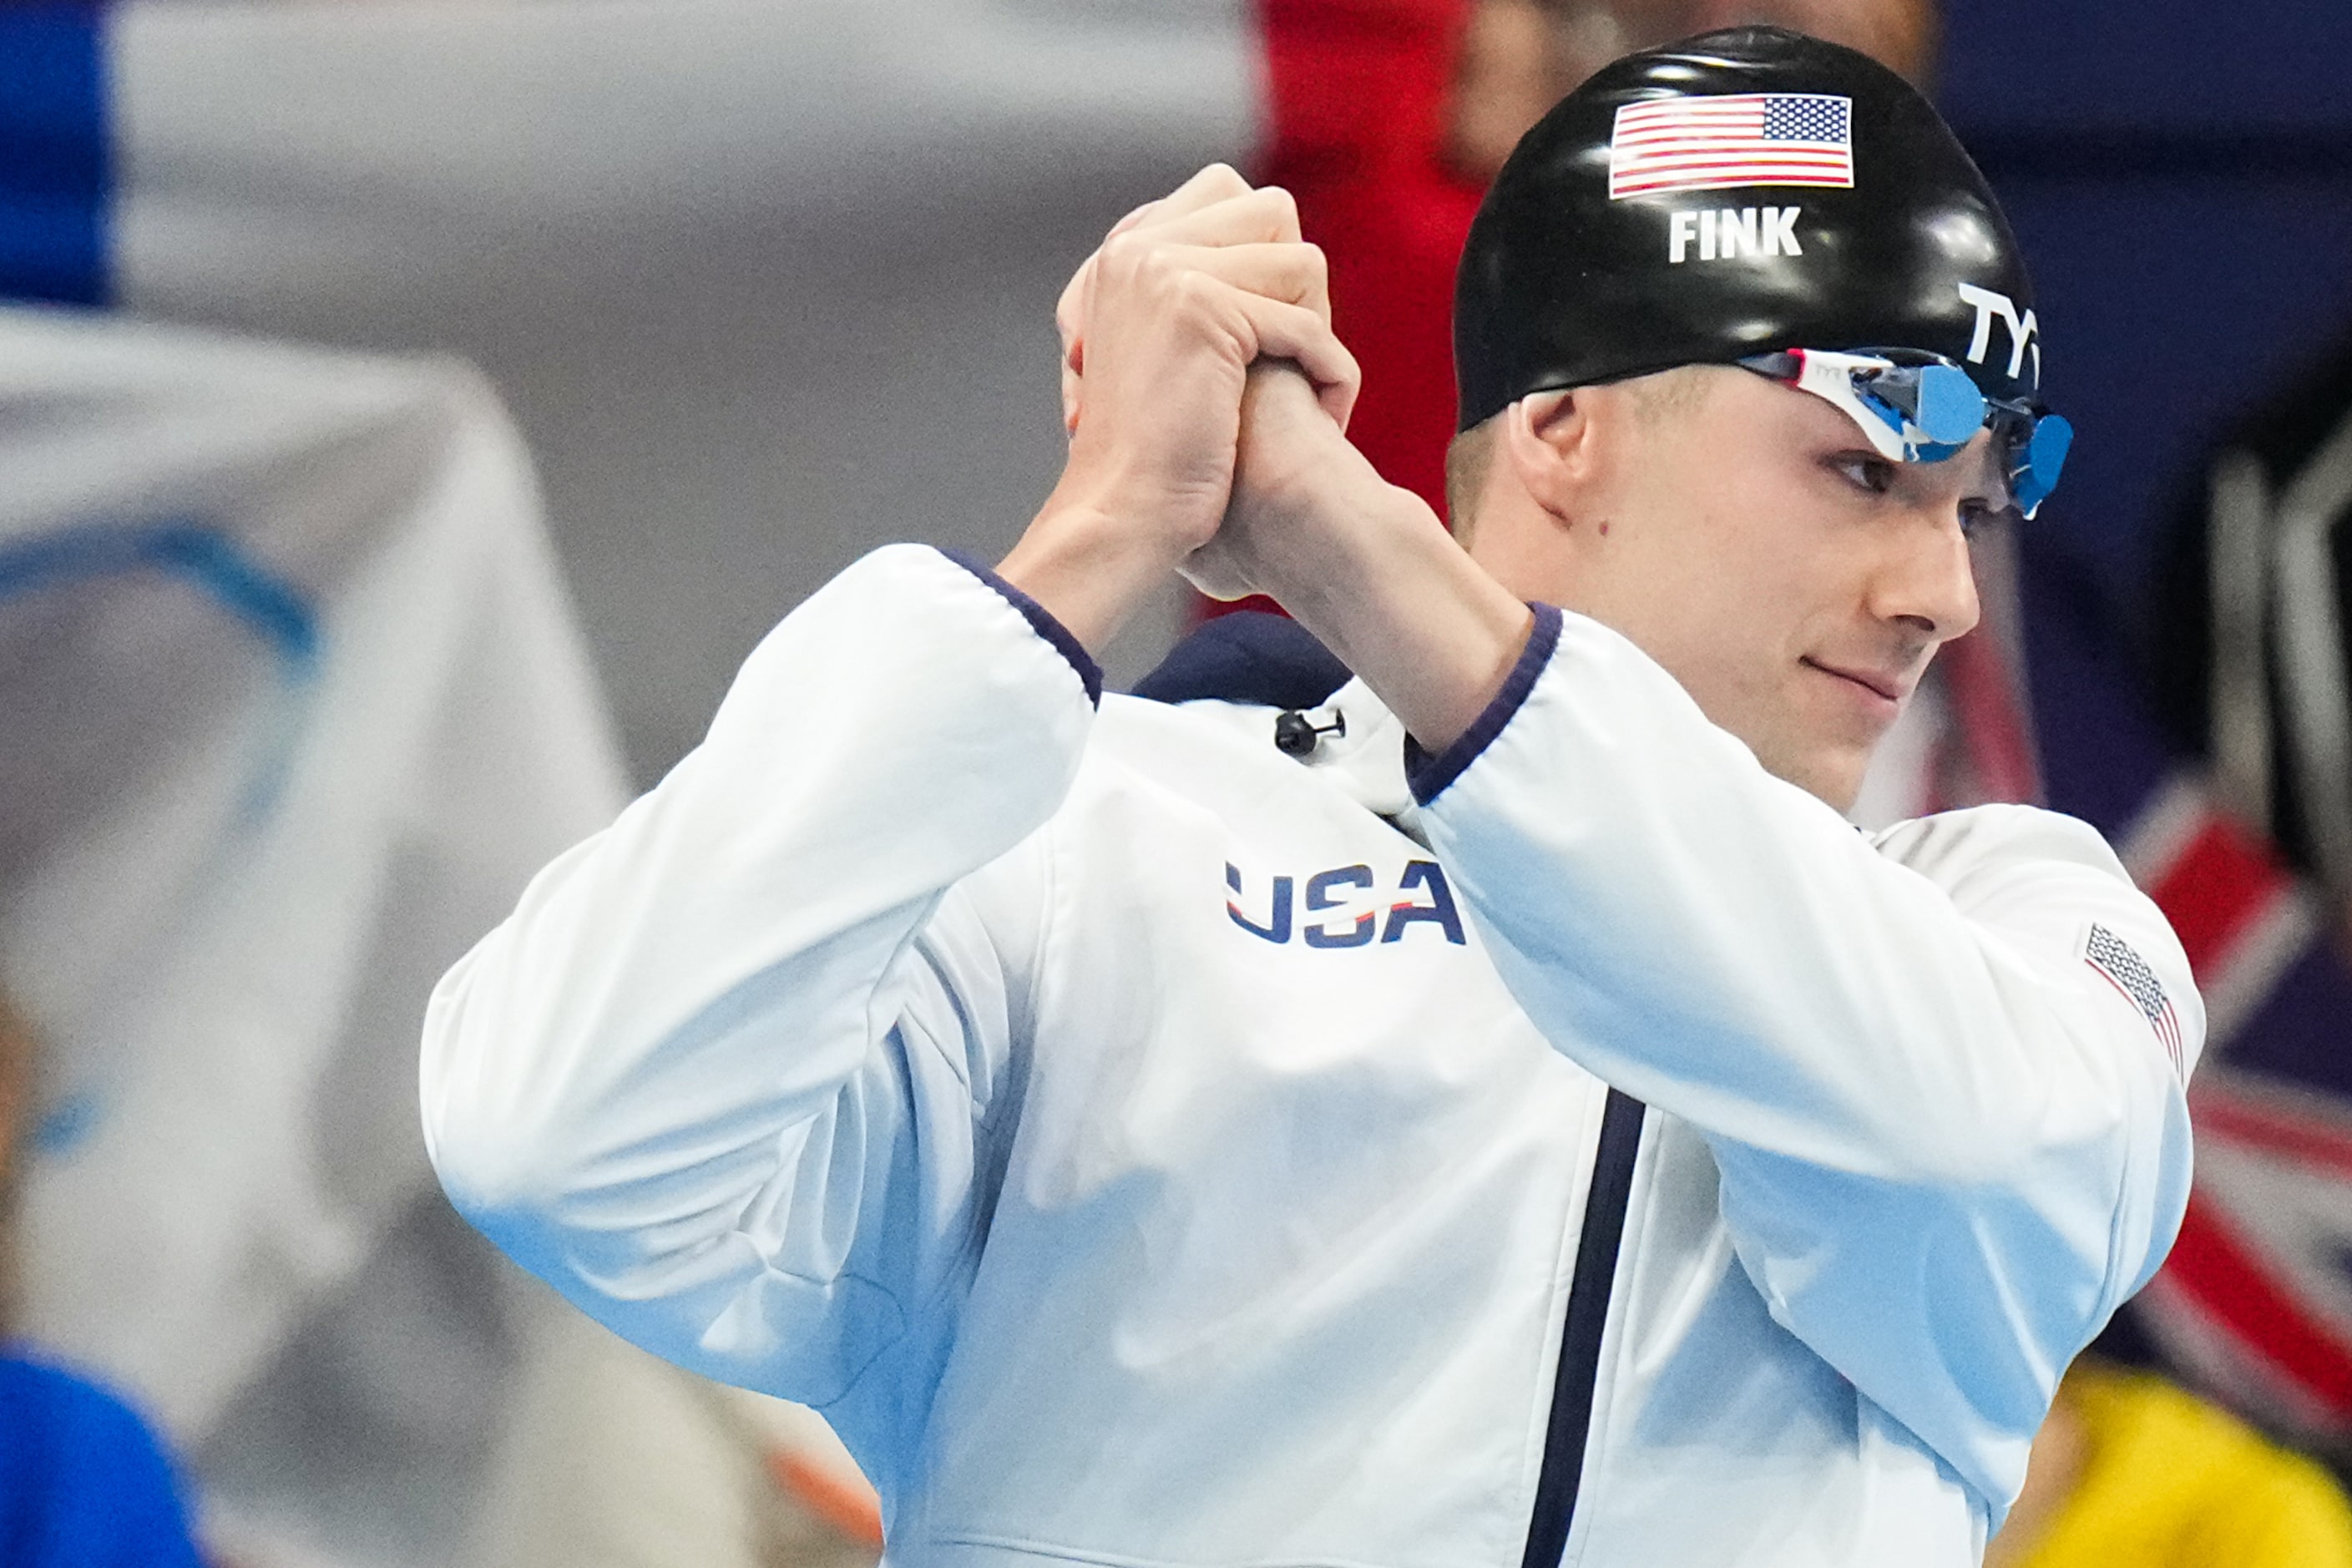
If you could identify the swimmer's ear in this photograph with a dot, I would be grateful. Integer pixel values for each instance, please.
(1548, 440)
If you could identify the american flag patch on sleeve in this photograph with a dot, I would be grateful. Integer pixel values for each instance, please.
(2121, 965)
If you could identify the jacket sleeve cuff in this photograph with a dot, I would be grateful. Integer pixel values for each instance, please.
(1429, 776)
(1090, 673)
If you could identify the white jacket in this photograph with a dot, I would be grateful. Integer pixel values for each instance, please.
(1145, 1153)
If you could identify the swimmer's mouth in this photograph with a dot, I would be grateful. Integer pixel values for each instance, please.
(1890, 687)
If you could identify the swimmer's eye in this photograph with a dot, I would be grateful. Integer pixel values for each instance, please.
(1866, 472)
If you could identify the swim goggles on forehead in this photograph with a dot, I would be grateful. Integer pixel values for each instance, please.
(1923, 408)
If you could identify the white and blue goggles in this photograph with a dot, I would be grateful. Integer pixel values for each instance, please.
(1923, 408)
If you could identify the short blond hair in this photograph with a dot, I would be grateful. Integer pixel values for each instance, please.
(1470, 456)
(1469, 460)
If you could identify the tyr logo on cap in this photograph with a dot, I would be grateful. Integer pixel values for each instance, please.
(2024, 330)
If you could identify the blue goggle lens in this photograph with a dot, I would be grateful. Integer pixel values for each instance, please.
(2034, 473)
(1950, 408)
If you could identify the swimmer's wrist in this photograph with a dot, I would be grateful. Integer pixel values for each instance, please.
(1405, 607)
(1088, 567)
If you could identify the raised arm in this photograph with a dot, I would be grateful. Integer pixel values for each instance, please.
(731, 1074)
(1942, 1074)
(726, 1076)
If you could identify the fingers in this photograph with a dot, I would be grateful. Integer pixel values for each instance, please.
(1214, 207)
(1295, 273)
(1295, 332)
(1244, 243)
(1266, 214)
(1271, 303)
(1291, 273)
(1217, 183)
(1135, 215)
(1262, 329)
(1281, 268)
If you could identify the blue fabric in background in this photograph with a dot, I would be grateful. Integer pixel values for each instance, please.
(2141, 65)
(83, 1483)
(57, 182)
(2180, 175)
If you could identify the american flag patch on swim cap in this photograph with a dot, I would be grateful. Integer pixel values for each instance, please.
(2128, 972)
(1730, 140)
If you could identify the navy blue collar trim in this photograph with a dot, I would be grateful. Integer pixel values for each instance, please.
(1429, 776)
(1090, 673)
(1249, 656)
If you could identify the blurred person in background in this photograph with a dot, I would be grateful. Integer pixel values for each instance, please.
(2132, 1471)
(83, 1482)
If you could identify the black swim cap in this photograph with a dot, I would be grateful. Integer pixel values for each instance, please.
(1739, 192)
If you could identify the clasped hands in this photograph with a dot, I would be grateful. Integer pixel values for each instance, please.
(1206, 399)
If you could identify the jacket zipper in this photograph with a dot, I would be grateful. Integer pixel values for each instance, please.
(1568, 1434)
